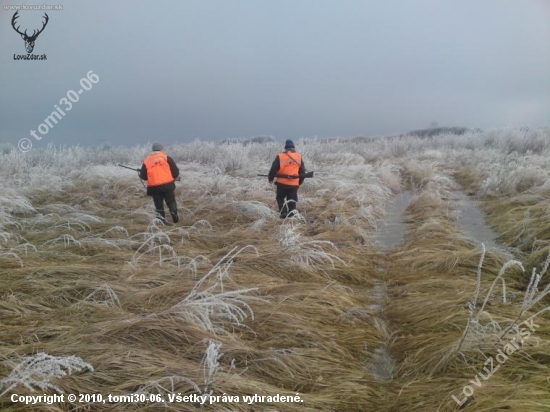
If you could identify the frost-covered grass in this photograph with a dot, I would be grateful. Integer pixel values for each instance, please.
(235, 300)
(36, 372)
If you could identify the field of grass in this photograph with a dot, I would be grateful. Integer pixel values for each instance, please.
(97, 298)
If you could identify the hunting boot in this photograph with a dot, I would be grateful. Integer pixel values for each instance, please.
(172, 205)
(174, 214)
(160, 216)
(283, 210)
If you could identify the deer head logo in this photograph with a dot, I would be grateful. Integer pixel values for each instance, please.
(29, 40)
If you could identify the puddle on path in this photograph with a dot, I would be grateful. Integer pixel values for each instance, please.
(391, 231)
(389, 235)
(471, 221)
(381, 363)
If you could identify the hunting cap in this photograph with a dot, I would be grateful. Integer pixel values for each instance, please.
(157, 147)
(289, 144)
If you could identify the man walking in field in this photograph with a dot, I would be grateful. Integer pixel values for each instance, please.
(160, 172)
(289, 169)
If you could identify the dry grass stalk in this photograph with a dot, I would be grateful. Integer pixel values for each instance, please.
(36, 372)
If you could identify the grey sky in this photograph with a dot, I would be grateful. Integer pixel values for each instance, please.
(215, 69)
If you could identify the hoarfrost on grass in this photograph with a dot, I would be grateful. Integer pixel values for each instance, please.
(306, 253)
(36, 372)
(209, 305)
(103, 295)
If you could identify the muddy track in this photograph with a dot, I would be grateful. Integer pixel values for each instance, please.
(389, 235)
(387, 361)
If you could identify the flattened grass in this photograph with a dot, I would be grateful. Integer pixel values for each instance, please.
(322, 301)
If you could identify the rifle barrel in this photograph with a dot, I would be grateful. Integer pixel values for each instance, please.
(128, 167)
(305, 175)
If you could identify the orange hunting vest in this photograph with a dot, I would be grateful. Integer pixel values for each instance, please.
(290, 165)
(158, 169)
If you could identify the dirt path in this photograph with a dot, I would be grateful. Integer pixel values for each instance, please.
(391, 231)
(389, 235)
(471, 222)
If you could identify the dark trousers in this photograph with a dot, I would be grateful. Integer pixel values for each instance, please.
(290, 193)
(169, 197)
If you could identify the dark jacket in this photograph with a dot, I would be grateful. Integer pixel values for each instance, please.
(165, 187)
(276, 165)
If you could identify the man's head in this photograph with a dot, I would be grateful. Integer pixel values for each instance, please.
(157, 147)
(289, 144)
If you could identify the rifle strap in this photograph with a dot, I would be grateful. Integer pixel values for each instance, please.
(291, 158)
(294, 160)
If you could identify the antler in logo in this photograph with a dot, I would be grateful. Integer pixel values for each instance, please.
(29, 40)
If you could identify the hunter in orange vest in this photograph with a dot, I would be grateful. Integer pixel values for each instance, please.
(288, 167)
(160, 172)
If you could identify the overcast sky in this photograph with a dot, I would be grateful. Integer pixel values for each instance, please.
(215, 69)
